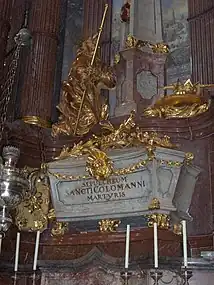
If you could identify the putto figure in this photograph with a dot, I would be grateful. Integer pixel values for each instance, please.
(85, 80)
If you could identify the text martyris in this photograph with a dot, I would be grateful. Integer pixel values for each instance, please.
(114, 188)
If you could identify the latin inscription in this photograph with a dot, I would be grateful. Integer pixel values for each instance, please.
(116, 188)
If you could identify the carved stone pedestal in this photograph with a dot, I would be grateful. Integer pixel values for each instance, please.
(142, 74)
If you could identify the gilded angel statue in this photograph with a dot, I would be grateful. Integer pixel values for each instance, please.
(84, 79)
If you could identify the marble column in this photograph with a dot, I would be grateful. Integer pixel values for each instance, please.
(5, 11)
(38, 85)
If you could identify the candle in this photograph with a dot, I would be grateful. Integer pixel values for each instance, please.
(36, 250)
(156, 244)
(184, 227)
(17, 252)
(1, 237)
(127, 246)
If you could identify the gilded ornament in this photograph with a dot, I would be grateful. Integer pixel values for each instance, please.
(160, 48)
(31, 214)
(99, 165)
(57, 228)
(132, 42)
(35, 120)
(126, 135)
(189, 156)
(108, 226)
(177, 229)
(154, 205)
(116, 58)
(162, 220)
(81, 106)
(186, 101)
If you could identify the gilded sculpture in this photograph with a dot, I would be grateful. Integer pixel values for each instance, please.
(84, 79)
(186, 101)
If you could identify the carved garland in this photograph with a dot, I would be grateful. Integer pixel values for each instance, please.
(100, 166)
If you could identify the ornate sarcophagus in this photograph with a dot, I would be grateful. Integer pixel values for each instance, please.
(130, 174)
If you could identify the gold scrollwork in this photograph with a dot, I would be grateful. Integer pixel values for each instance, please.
(126, 135)
(58, 228)
(31, 214)
(108, 225)
(132, 42)
(162, 220)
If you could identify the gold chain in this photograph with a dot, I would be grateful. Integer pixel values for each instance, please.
(117, 172)
(8, 88)
(121, 171)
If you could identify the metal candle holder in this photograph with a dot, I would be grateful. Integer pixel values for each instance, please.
(186, 275)
(125, 275)
(15, 277)
(156, 276)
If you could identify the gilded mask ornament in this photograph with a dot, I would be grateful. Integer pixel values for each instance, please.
(99, 165)
(186, 101)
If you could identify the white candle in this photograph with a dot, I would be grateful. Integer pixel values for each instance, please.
(36, 250)
(156, 244)
(127, 246)
(1, 237)
(184, 227)
(17, 252)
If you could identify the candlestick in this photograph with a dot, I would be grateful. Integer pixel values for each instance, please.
(127, 246)
(156, 276)
(17, 252)
(15, 279)
(186, 275)
(184, 227)
(36, 250)
(125, 276)
(156, 244)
